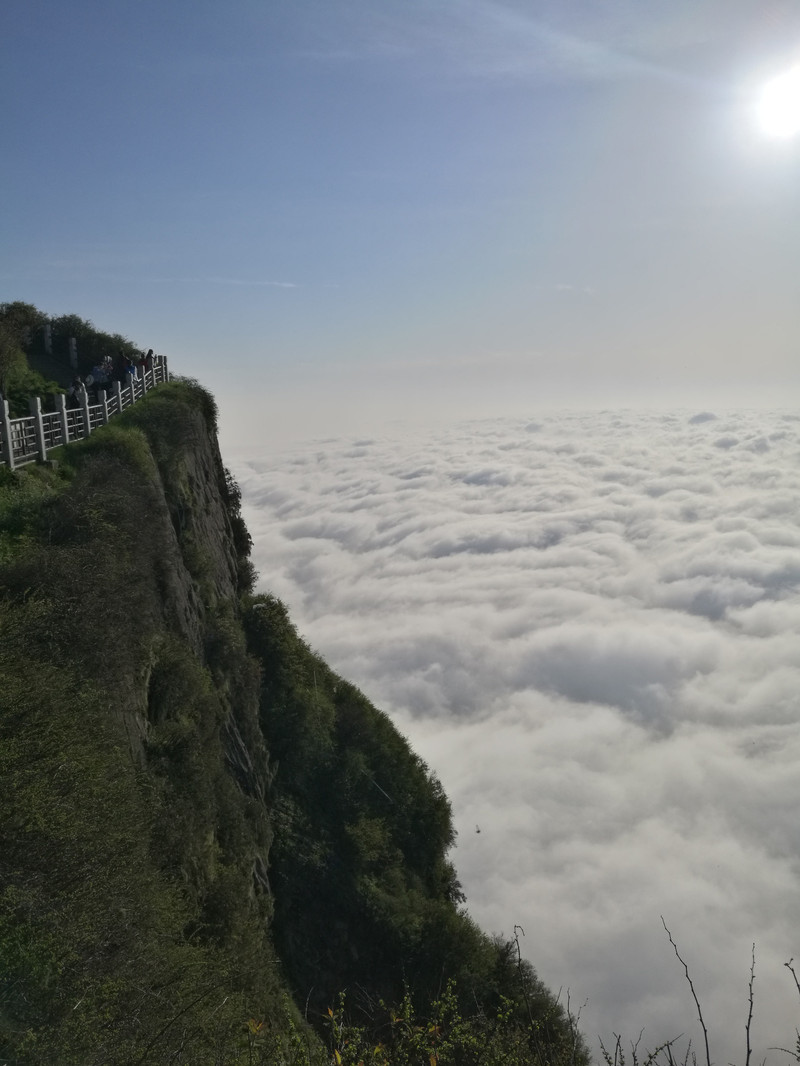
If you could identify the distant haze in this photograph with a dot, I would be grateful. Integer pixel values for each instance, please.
(588, 626)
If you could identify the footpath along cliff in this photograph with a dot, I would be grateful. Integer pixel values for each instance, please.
(213, 850)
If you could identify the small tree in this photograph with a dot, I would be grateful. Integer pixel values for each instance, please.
(25, 320)
(12, 357)
(18, 382)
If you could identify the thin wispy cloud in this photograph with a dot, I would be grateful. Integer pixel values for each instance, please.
(88, 268)
(588, 625)
(239, 282)
(253, 282)
(485, 38)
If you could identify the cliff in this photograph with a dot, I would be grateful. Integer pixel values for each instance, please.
(212, 848)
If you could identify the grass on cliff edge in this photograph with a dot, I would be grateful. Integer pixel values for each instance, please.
(128, 929)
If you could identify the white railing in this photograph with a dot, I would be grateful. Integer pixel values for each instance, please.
(29, 439)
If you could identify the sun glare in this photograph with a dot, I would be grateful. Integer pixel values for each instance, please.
(778, 107)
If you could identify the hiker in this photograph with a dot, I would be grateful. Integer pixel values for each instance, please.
(74, 392)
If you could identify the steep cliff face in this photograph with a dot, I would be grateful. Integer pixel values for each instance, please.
(200, 823)
(135, 836)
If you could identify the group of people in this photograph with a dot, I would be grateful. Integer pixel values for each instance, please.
(123, 368)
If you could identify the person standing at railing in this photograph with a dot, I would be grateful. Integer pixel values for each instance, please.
(74, 392)
(102, 373)
(91, 386)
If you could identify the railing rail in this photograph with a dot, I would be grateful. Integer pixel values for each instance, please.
(29, 439)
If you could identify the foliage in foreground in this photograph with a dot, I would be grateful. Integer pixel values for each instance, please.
(446, 1036)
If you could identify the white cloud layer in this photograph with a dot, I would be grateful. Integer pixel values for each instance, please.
(588, 626)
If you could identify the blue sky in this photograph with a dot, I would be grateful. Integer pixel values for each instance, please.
(331, 211)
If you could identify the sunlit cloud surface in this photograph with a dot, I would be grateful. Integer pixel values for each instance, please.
(588, 626)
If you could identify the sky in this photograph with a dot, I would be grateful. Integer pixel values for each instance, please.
(469, 280)
(341, 212)
(587, 624)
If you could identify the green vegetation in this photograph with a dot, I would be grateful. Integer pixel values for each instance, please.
(19, 323)
(213, 850)
(26, 325)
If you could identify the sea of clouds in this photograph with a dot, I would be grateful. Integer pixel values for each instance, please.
(587, 624)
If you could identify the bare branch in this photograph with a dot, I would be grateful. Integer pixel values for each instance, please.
(792, 971)
(517, 930)
(691, 986)
(652, 1058)
(635, 1047)
(574, 1021)
(750, 1005)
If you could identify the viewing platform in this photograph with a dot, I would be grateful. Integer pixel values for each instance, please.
(29, 439)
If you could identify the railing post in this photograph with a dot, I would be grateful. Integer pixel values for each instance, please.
(35, 405)
(118, 394)
(87, 421)
(101, 395)
(144, 378)
(61, 407)
(5, 433)
(131, 388)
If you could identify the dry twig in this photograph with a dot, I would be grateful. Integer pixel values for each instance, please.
(691, 986)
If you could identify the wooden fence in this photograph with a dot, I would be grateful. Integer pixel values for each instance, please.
(29, 439)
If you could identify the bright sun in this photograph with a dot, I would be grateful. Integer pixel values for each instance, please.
(778, 108)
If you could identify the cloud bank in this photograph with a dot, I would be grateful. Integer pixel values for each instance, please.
(588, 625)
